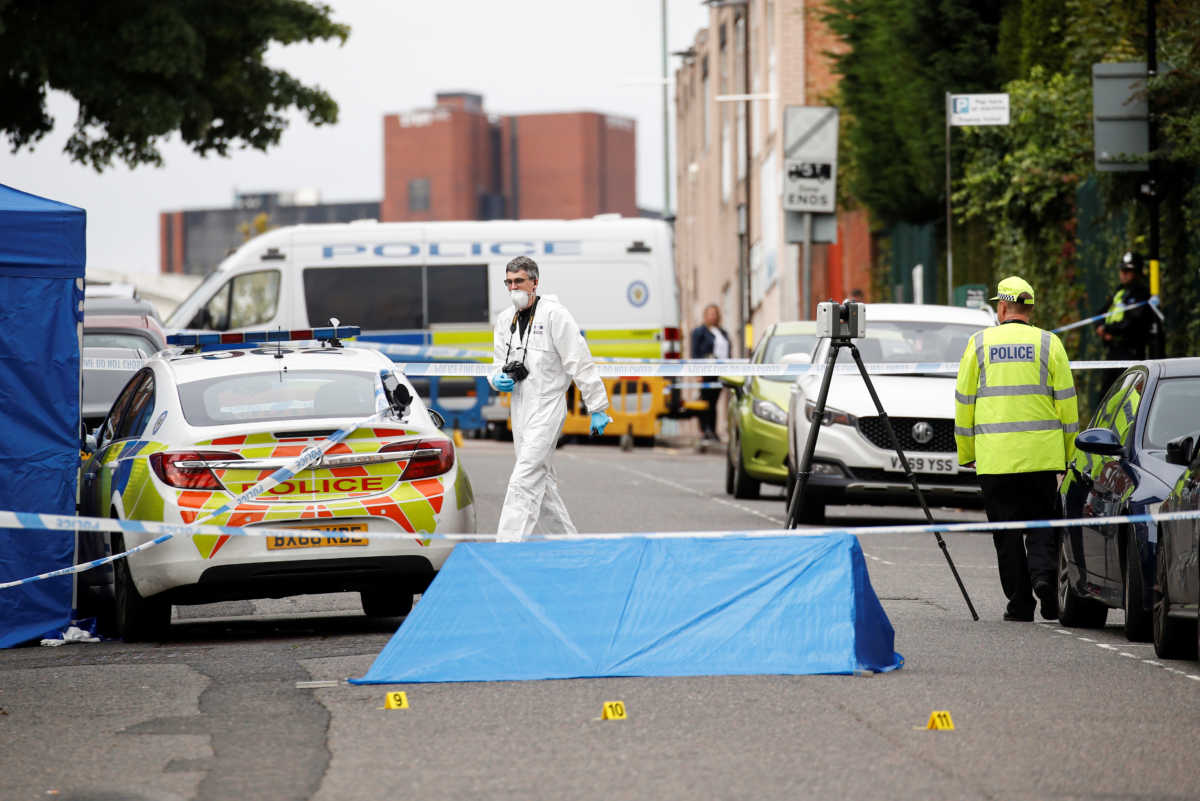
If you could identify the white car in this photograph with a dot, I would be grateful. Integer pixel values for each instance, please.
(854, 461)
(191, 431)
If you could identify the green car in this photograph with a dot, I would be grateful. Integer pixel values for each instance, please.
(758, 445)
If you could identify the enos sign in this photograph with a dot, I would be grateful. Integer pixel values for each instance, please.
(810, 140)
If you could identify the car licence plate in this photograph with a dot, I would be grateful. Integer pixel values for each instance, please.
(341, 538)
(925, 464)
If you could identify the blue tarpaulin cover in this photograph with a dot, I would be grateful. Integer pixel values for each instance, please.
(42, 248)
(643, 607)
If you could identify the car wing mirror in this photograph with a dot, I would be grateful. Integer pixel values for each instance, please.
(1179, 450)
(1100, 441)
(438, 420)
(398, 396)
(735, 382)
(90, 442)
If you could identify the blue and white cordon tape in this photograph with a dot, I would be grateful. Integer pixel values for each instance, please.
(288, 471)
(1153, 301)
(47, 522)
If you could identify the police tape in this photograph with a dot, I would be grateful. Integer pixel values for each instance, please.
(48, 522)
(442, 352)
(306, 458)
(1153, 301)
(124, 365)
(668, 368)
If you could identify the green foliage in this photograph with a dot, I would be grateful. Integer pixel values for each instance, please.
(902, 57)
(1021, 179)
(142, 70)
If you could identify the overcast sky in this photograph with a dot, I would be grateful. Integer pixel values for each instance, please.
(522, 56)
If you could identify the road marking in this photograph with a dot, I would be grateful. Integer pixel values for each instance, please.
(877, 559)
(676, 485)
(308, 685)
(1109, 647)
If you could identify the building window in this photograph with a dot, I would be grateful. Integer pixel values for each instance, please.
(418, 194)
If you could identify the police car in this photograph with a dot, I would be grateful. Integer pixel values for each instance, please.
(854, 461)
(201, 425)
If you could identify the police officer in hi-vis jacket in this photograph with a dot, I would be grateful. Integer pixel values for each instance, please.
(1015, 420)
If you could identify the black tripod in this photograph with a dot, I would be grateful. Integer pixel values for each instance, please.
(835, 346)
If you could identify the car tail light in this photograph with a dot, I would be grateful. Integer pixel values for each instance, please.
(672, 334)
(426, 457)
(189, 469)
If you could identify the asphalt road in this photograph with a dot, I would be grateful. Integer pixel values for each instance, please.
(249, 701)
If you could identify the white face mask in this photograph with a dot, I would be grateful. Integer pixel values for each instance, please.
(520, 298)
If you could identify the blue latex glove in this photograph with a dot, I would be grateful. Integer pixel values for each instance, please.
(501, 381)
(600, 421)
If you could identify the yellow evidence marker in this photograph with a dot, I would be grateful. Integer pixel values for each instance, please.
(939, 720)
(396, 700)
(613, 710)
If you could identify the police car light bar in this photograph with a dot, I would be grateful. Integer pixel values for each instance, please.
(256, 337)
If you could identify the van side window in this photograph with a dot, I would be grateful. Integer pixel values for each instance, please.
(373, 298)
(457, 294)
(244, 300)
(396, 297)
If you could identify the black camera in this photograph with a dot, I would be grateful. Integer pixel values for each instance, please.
(515, 370)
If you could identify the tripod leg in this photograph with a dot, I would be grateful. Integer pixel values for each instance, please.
(805, 466)
(887, 423)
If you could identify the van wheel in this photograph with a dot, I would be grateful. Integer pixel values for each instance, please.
(386, 603)
(728, 476)
(137, 618)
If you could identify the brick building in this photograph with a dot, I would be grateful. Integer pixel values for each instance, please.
(450, 162)
(743, 269)
(457, 162)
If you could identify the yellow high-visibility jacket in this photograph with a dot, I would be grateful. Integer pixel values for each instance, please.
(1015, 406)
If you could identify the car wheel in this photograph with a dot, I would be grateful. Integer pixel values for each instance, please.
(1138, 620)
(137, 618)
(812, 508)
(1073, 609)
(743, 486)
(386, 603)
(728, 474)
(1171, 636)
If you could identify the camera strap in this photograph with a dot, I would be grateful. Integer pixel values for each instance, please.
(524, 340)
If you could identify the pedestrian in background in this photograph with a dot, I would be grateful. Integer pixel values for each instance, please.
(1015, 420)
(709, 341)
(1124, 332)
(538, 351)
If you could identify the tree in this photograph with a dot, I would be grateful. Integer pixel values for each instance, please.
(901, 57)
(142, 70)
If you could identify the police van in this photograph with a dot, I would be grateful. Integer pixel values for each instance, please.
(441, 283)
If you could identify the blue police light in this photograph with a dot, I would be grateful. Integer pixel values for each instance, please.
(258, 337)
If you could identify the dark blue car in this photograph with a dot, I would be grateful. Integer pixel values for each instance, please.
(1121, 468)
(1177, 583)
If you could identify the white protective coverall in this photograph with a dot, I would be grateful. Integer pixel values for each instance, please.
(557, 353)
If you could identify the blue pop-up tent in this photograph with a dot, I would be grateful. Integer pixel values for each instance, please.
(643, 607)
(42, 250)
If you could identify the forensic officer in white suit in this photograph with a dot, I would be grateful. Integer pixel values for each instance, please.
(538, 351)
